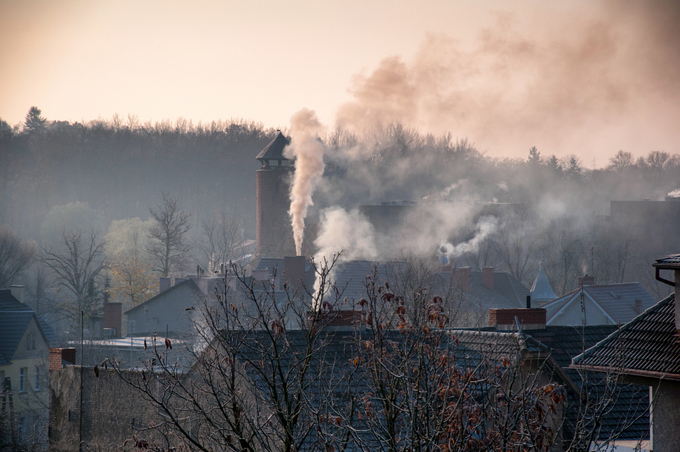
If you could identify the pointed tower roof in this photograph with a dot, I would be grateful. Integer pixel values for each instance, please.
(541, 291)
(274, 150)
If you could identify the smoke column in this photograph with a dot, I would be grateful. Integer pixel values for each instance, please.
(308, 152)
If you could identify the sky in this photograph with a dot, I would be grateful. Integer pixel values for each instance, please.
(587, 78)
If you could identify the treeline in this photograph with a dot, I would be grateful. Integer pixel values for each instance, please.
(120, 168)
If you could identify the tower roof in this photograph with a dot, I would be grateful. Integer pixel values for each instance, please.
(541, 290)
(274, 150)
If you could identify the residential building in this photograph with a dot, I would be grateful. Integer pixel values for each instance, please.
(24, 351)
(646, 351)
(599, 304)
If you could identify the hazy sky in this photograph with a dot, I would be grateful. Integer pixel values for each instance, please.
(582, 77)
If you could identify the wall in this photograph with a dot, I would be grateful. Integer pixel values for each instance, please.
(110, 409)
(665, 417)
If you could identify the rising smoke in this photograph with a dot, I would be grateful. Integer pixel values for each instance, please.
(579, 83)
(307, 150)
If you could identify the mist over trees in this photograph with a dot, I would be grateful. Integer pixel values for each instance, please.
(94, 173)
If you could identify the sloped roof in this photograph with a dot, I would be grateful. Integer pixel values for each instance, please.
(14, 318)
(617, 300)
(507, 292)
(646, 346)
(12, 327)
(189, 282)
(542, 291)
(274, 150)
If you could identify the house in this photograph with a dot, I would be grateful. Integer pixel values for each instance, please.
(599, 304)
(24, 352)
(646, 351)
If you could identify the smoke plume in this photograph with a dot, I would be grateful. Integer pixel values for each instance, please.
(348, 233)
(308, 151)
(586, 82)
(484, 228)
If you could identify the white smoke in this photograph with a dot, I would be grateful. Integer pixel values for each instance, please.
(308, 151)
(674, 194)
(485, 227)
(347, 232)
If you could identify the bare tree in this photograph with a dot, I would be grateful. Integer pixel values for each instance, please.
(15, 256)
(516, 244)
(221, 236)
(75, 266)
(168, 248)
(258, 384)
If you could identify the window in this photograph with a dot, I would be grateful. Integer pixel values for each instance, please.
(22, 379)
(37, 378)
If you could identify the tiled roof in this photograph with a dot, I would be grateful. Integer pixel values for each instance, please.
(12, 327)
(274, 150)
(646, 346)
(631, 406)
(671, 260)
(507, 292)
(617, 300)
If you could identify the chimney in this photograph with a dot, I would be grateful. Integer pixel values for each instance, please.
(294, 271)
(59, 355)
(461, 278)
(528, 301)
(113, 317)
(586, 281)
(17, 292)
(487, 277)
(165, 284)
(671, 262)
(530, 319)
(342, 320)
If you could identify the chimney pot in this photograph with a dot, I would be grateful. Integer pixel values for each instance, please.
(586, 281)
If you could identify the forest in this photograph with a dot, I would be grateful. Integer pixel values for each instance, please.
(95, 175)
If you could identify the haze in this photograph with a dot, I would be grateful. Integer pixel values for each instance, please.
(584, 78)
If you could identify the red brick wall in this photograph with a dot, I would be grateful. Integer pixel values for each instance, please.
(533, 316)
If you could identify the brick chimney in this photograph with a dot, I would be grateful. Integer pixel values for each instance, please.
(461, 278)
(342, 320)
(671, 262)
(487, 277)
(58, 355)
(294, 271)
(586, 281)
(530, 319)
(113, 317)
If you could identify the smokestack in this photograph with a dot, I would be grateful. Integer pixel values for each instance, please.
(294, 271)
(528, 301)
(274, 234)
